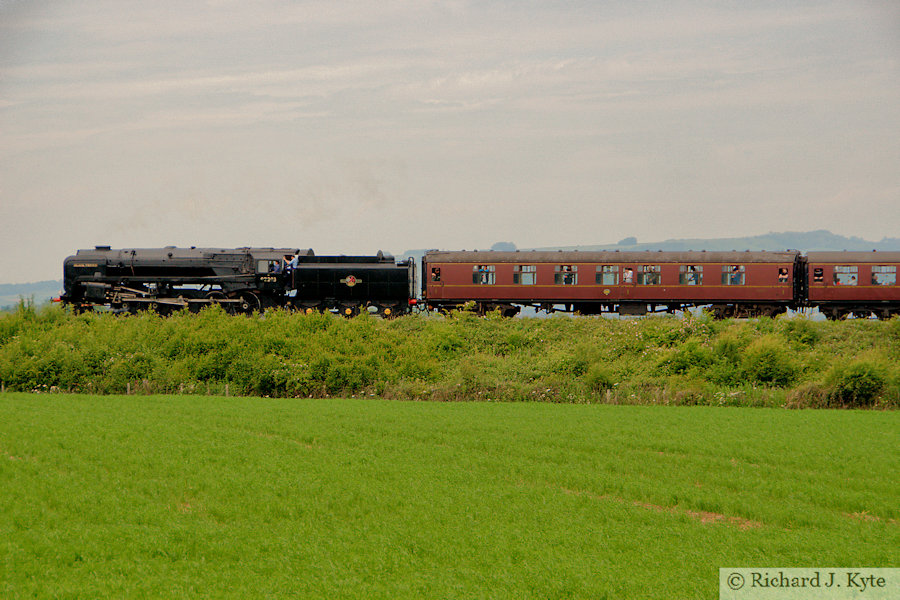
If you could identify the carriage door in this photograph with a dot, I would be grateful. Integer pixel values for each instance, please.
(432, 281)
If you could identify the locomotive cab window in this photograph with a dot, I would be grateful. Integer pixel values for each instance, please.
(565, 274)
(649, 275)
(884, 275)
(608, 274)
(483, 274)
(733, 275)
(524, 274)
(845, 275)
(690, 275)
(268, 266)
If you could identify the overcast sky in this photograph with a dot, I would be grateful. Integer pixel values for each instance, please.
(351, 127)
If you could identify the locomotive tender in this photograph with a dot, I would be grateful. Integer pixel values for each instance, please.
(238, 279)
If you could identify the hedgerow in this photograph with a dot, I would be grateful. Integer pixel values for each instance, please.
(654, 360)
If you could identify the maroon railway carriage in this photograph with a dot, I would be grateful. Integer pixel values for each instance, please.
(632, 283)
(857, 283)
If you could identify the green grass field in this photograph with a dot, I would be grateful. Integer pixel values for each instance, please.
(184, 497)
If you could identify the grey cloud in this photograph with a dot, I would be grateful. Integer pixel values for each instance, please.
(356, 126)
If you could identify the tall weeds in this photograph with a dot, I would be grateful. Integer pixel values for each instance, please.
(654, 360)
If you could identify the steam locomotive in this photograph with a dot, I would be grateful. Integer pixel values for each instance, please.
(241, 280)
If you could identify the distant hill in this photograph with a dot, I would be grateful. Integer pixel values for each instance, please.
(40, 291)
(789, 240)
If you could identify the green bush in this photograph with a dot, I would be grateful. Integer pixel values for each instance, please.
(664, 332)
(800, 330)
(768, 361)
(855, 384)
(599, 378)
(689, 357)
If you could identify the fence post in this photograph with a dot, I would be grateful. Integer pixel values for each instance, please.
(226, 390)
(128, 388)
(2, 387)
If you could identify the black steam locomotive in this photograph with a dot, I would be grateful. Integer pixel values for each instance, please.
(241, 280)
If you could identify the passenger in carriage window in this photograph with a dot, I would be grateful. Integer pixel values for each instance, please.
(782, 275)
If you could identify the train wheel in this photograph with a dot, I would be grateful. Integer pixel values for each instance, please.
(509, 311)
(217, 297)
(250, 303)
(349, 310)
(770, 311)
(267, 303)
(725, 311)
(837, 314)
(388, 312)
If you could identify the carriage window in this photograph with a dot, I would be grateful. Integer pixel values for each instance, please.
(884, 275)
(845, 275)
(690, 275)
(483, 274)
(435, 273)
(783, 275)
(524, 274)
(818, 275)
(733, 275)
(627, 275)
(565, 275)
(649, 275)
(608, 274)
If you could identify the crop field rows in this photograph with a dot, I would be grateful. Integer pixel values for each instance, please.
(179, 496)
